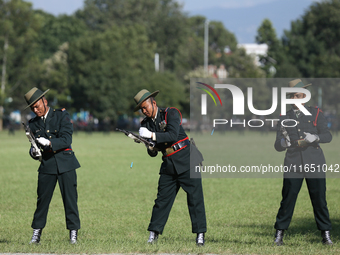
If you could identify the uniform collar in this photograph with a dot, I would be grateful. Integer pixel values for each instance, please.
(45, 116)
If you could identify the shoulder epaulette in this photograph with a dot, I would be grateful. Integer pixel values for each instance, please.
(61, 109)
(166, 112)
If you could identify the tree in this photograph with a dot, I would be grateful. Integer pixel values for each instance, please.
(55, 31)
(313, 42)
(266, 34)
(18, 31)
(164, 21)
(106, 67)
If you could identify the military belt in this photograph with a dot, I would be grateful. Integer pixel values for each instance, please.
(176, 147)
(50, 151)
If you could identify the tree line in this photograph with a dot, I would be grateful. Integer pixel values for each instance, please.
(98, 58)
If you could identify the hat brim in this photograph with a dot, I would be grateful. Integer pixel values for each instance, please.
(36, 100)
(307, 85)
(153, 94)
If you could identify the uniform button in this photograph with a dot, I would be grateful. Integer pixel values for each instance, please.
(50, 136)
(301, 137)
(54, 151)
(48, 131)
(299, 129)
(38, 135)
(55, 130)
(165, 143)
(298, 122)
(308, 120)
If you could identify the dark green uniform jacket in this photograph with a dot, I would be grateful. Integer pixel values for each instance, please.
(58, 128)
(179, 162)
(308, 155)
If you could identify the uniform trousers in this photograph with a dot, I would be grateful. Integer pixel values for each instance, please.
(68, 188)
(317, 193)
(168, 186)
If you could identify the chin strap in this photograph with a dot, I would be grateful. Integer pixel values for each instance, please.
(153, 109)
(44, 108)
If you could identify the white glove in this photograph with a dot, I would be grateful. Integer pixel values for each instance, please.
(43, 141)
(311, 138)
(285, 143)
(144, 132)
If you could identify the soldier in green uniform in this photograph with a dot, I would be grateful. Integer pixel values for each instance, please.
(53, 131)
(163, 126)
(305, 159)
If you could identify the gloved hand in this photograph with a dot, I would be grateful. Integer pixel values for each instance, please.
(33, 152)
(285, 142)
(152, 151)
(43, 141)
(311, 138)
(144, 132)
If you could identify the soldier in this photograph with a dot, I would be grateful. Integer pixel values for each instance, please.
(163, 126)
(53, 131)
(305, 159)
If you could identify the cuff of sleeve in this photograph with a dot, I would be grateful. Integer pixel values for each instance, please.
(153, 136)
(317, 138)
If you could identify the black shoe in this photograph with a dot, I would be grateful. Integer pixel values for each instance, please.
(200, 239)
(279, 237)
(153, 237)
(36, 236)
(326, 237)
(73, 236)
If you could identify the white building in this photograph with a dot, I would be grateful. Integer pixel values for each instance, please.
(254, 50)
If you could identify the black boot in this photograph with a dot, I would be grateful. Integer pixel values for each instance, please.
(36, 236)
(73, 236)
(200, 239)
(326, 237)
(279, 237)
(153, 237)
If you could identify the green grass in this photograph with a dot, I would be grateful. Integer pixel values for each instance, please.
(115, 202)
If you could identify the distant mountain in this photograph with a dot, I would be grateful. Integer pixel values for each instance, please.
(244, 22)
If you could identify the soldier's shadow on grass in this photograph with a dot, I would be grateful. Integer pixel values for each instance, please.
(300, 228)
(306, 227)
(4, 241)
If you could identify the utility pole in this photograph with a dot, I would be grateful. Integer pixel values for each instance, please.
(3, 82)
(156, 62)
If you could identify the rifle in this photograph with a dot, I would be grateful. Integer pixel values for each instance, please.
(137, 138)
(284, 133)
(32, 140)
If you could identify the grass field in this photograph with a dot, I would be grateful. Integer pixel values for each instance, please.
(115, 203)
